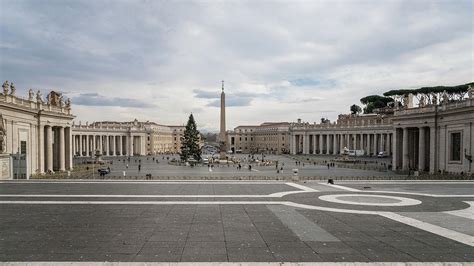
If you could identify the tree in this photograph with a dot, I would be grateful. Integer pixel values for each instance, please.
(355, 109)
(374, 101)
(190, 141)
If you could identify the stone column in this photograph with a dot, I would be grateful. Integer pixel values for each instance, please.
(395, 149)
(101, 148)
(320, 143)
(131, 146)
(354, 139)
(304, 143)
(120, 141)
(114, 146)
(421, 149)
(62, 150)
(87, 145)
(341, 142)
(49, 148)
(405, 158)
(107, 145)
(80, 145)
(293, 144)
(69, 148)
(328, 143)
(433, 155)
(334, 144)
(389, 144)
(41, 149)
(376, 150)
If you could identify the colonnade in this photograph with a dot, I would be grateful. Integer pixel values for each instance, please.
(54, 148)
(414, 148)
(108, 145)
(334, 143)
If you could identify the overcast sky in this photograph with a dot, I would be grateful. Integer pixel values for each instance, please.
(162, 60)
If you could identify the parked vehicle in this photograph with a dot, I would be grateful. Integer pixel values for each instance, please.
(103, 171)
(382, 154)
(356, 152)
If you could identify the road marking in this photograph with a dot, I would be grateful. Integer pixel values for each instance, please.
(305, 188)
(157, 182)
(456, 236)
(304, 228)
(419, 194)
(403, 182)
(273, 195)
(341, 187)
(466, 213)
(400, 201)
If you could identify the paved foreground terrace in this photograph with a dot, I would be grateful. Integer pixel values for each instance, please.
(236, 221)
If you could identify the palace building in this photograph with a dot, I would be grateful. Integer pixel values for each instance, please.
(429, 137)
(126, 138)
(35, 134)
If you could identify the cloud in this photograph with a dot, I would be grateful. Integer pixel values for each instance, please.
(278, 59)
(206, 94)
(232, 102)
(95, 99)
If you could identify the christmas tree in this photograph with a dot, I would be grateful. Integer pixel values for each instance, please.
(190, 142)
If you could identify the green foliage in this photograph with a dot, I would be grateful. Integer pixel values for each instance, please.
(355, 109)
(374, 101)
(459, 89)
(190, 141)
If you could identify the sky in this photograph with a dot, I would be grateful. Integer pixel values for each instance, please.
(280, 60)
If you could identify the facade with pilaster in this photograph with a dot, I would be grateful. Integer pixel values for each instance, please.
(435, 138)
(272, 138)
(370, 134)
(36, 134)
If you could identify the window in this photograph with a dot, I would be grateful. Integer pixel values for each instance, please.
(455, 144)
(23, 147)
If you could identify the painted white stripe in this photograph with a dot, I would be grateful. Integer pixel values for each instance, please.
(87, 202)
(420, 194)
(305, 188)
(404, 182)
(157, 182)
(340, 187)
(400, 201)
(273, 195)
(98, 263)
(466, 213)
(456, 236)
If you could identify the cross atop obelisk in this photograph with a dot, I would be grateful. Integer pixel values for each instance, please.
(222, 133)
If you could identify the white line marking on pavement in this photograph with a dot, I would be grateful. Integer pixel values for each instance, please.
(273, 195)
(358, 200)
(456, 236)
(305, 188)
(341, 187)
(213, 182)
(419, 194)
(98, 263)
(466, 213)
(397, 192)
(403, 182)
(87, 202)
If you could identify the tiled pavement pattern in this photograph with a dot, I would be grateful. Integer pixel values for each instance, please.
(247, 233)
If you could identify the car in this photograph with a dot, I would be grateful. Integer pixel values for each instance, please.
(103, 171)
(382, 154)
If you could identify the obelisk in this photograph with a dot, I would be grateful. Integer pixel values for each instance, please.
(222, 133)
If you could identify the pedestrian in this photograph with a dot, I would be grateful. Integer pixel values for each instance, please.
(126, 166)
(328, 166)
(139, 167)
(250, 167)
